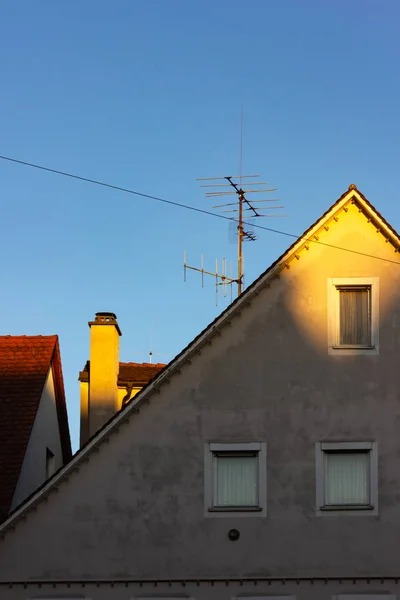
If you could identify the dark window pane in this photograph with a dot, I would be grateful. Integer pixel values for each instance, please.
(355, 327)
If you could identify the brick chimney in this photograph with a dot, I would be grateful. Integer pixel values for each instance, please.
(99, 389)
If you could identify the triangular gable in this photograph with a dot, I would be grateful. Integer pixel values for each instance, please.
(25, 362)
(312, 235)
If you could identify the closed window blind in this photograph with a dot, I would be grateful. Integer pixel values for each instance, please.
(355, 325)
(347, 478)
(236, 480)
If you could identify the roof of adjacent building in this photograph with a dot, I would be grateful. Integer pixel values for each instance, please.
(139, 374)
(24, 365)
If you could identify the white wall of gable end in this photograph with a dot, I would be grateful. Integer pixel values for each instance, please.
(45, 434)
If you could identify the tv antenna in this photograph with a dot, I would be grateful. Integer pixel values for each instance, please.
(241, 209)
(150, 352)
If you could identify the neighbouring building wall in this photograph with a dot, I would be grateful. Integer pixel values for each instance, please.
(122, 392)
(135, 509)
(45, 435)
(84, 393)
(84, 412)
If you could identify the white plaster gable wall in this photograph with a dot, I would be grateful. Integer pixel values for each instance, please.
(45, 433)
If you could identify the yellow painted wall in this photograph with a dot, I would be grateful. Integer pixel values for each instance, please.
(122, 393)
(84, 416)
(99, 397)
(84, 401)
(307, 296)
(104, 366)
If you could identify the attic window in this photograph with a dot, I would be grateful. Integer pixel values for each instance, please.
(353, 315)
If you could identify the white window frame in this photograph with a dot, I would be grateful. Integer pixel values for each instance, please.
(214, 447)
(334, 347)
(320, 449)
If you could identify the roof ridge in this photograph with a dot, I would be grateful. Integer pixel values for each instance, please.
(44, 337)
(143, 364)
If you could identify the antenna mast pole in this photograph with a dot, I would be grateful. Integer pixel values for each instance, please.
(240, 224)
(240, 242)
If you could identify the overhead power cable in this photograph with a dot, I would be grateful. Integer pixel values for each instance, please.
(189, 207)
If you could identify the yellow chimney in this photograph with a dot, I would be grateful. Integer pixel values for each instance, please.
(99, 397)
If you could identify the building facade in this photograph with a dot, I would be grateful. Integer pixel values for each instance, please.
(263, 462)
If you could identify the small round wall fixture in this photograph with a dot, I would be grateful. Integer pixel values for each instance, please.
(234, 535)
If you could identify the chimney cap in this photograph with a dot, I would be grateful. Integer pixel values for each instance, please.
(105, 318)
(106, 314)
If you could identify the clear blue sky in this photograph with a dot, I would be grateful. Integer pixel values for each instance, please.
(146, 94)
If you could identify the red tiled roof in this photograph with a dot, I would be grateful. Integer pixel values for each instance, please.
(134, 373)
(24, 365)
(140, 373)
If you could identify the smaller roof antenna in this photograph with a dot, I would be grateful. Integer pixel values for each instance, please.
(150, 352)
(151, 341)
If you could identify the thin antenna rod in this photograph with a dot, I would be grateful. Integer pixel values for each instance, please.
(227, 184)
(240, 225)
(224, 177)
(151, 341)
(241, 144)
